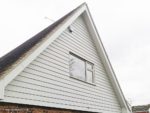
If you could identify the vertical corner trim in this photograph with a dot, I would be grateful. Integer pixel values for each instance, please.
(124, 110)
(1, 90)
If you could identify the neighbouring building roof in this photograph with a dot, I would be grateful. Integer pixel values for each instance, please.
(10, 58)
(141, 108)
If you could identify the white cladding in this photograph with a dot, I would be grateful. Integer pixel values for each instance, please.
(46, 81)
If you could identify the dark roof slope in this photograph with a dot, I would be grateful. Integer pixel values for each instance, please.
(141, 108)
(11, 57)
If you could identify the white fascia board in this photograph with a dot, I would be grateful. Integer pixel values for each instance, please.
(11, 75)
(105, 60)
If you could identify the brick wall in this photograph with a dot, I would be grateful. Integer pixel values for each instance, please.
(17, 108)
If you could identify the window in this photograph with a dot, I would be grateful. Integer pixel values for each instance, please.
(81, 69)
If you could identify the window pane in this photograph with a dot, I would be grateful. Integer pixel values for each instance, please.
(89, 66)
(77, 67)
(89, 76)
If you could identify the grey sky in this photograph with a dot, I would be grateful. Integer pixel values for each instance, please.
(124, 27)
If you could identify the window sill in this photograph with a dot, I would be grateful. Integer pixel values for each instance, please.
(82, 80)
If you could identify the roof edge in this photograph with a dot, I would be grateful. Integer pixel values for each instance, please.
(106, 60)
(13, 56)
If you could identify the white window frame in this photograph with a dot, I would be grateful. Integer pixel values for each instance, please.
(91, 70)
(86, 69)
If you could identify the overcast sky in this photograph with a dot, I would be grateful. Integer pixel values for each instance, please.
(124, 27)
